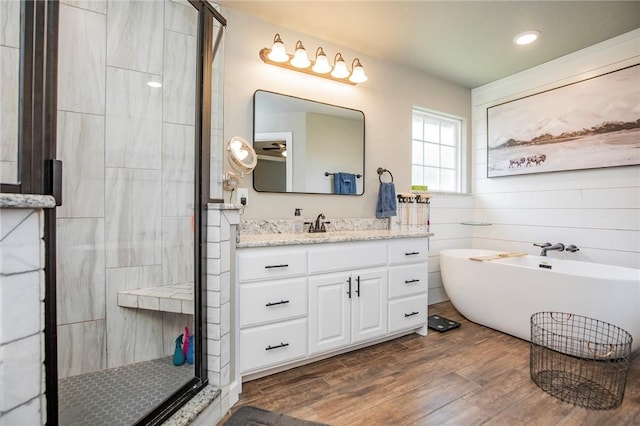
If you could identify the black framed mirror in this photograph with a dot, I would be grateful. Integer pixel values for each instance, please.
(305, 146)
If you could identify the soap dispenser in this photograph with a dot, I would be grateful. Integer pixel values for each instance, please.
(298, 222)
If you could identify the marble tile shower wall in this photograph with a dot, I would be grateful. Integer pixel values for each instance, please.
(128, 154)
(9, 75)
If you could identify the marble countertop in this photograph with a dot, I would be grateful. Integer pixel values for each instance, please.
(28, 201)
(268, 240)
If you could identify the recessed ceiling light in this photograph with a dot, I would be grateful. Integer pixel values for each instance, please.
(526, 37)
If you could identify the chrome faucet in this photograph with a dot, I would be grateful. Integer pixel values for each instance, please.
(549, 247)
(318, 225)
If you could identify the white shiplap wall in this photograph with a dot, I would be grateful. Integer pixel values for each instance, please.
(598, 210)
(447, 214)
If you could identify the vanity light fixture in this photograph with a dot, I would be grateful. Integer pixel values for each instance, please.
(300, 58)
(526, 37)
(339, 67)
(320, 67)
(278, 52)
(357, 72)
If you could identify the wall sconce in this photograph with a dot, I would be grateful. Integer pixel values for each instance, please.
(321, 67)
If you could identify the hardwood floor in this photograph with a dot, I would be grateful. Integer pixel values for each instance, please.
(471, 375)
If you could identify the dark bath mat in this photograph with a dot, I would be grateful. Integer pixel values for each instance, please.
(442, 324)
(253, 416)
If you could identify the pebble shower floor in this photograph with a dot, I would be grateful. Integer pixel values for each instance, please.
(119, 396)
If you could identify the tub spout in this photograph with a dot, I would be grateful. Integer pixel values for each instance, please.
(555, 247)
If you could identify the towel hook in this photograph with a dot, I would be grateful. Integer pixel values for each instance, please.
(380, 173)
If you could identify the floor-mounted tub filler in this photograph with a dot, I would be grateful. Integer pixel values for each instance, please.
(503, 293)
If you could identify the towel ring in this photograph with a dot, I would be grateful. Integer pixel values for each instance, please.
(381, 171)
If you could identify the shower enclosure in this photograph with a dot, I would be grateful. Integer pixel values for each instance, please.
(130, 134)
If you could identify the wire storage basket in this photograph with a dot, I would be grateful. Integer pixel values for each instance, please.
(579, 360)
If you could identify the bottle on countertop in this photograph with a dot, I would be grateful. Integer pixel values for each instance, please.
(298, 222)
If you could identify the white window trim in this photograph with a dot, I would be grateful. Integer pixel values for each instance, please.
(464, 167)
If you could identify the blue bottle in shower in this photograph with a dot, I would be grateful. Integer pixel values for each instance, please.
(178, 355)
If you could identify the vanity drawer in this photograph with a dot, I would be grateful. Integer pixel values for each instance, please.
(344, 256)
(267, 264)
(272, 344)
(408, 280)
(409, 312)
(408, 250)
(262, 303)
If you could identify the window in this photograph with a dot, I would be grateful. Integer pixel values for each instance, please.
(437, 145)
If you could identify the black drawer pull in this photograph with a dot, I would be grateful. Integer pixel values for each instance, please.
(282, 302)
(276, 266)
(411, 314)
(411, 253)
(281, 345)
(411, 281)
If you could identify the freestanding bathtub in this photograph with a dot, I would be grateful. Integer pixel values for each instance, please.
(504, 293)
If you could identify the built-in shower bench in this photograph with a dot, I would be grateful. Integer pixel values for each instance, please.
(177, 298)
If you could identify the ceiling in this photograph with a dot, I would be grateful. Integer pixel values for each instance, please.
(466, 42)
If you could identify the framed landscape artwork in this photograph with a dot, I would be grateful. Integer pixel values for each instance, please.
(589, 124)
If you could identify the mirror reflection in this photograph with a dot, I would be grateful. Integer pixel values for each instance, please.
(306, 146)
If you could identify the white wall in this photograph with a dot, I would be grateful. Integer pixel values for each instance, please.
(597, 210)
(386, 100)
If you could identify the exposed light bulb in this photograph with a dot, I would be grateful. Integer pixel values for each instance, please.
(278, 52)
(339, 67)
(357, 73)
(322, 63)
(300, 58)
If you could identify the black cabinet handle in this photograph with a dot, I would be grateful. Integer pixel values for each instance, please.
(282, 302)
(411, 253)
(358, 288)
(349, 291)
(281, 345)
(411, 281)
(276, 266)
(411, 314)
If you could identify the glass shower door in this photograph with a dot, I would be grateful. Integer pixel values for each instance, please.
(125, 237)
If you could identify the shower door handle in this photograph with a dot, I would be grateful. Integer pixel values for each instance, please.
(54, 170)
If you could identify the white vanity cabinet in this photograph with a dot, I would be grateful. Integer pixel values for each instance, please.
(272, 315)
(408, 283)
(304, 302)
(346, 308)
